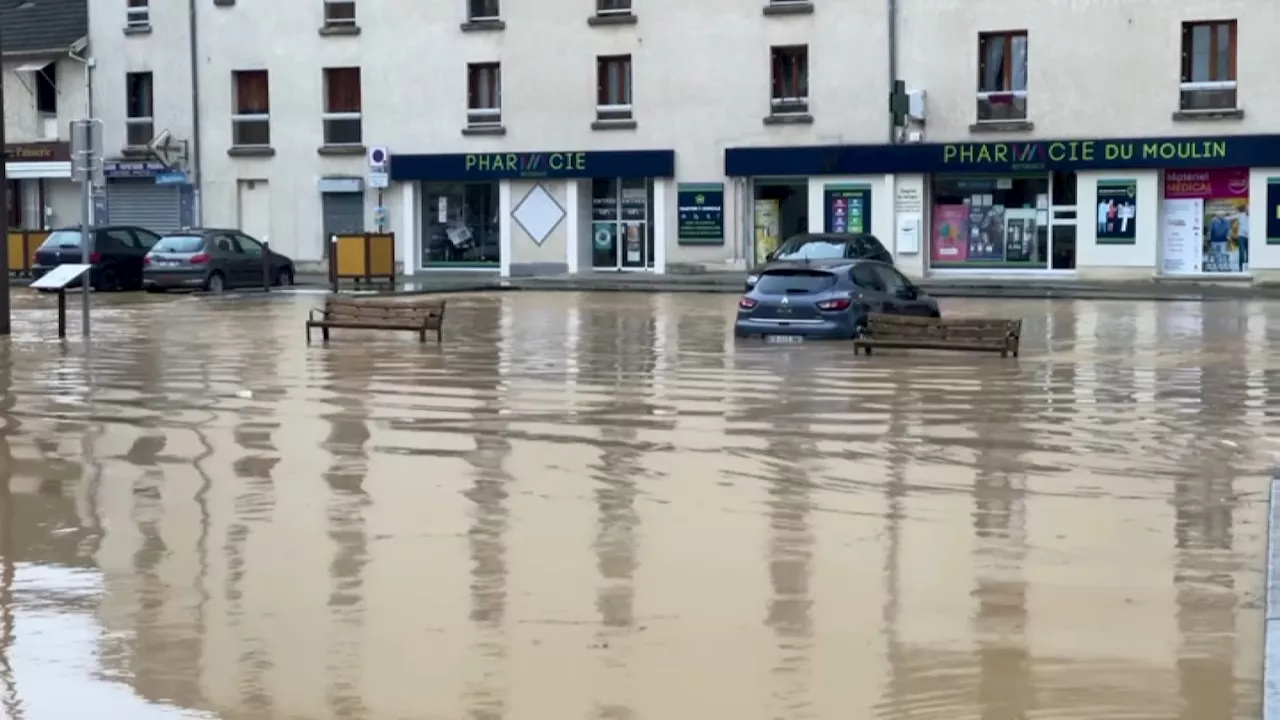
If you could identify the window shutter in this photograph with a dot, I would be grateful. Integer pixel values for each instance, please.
(1186, 52)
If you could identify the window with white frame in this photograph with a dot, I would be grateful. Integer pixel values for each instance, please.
(613, 87)
(1209, 65)
(342, 117)
(789, 76)
(140, 125)
(1002, 76)
(484, 94)
(138, 14)
(339, 12)
(251, 119)
(482, 10)
(613, 7)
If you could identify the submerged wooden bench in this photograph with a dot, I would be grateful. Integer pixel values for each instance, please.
(964, 334)
(371, 313)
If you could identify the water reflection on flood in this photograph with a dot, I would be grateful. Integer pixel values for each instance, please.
(599, 506)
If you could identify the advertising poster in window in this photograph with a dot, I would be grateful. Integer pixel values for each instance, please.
(1117, 212)
(986, 233)
(1019, 235)
(950, 234)
(1181, 232)
(767, 226)
(700, 213)
(1273, 211)
(1223, 197)
(848, 208)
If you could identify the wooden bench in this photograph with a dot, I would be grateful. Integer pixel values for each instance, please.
(909, 331)
(369, 313)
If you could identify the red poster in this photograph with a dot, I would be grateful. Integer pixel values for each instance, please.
(950, 234)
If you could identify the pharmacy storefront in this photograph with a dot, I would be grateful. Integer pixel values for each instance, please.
(535, 213)
(1103, 208)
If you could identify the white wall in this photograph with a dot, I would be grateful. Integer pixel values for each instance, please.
(1140, 258)
(22, 124)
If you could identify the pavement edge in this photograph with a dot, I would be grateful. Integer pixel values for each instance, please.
(1271, 627)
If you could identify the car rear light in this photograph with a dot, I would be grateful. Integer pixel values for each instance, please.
(146, 259)
(95, 258)
(836, 304)
(746, 303)
(199, 259)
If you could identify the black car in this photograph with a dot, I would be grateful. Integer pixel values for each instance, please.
(214, 260)
(792, 301)
(117, 254)
(813, 247)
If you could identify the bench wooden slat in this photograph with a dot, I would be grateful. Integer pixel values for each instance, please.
(416, 315)
(967, 334)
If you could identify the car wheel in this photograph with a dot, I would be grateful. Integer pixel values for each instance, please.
(216, 283)
(107, 281)
(154, 289)
(284, 277)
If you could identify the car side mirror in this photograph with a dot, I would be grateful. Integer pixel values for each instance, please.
(770, 257)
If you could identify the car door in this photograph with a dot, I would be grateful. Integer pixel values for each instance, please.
(126, 256)
(228, 258)
(253, 252)
(871, 289)
(907, 300)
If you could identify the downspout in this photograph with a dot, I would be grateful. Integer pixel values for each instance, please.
(891, 8)
(198, 174)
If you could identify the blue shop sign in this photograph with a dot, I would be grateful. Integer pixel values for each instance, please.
(1005, 157)
(516, 165)
(133, 168)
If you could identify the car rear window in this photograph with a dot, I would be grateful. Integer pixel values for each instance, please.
(814, 249)
(62, 238)
(179, 244)
(794, 282)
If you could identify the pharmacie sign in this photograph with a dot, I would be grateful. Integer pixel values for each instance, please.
(1098, 154)
(518, 165)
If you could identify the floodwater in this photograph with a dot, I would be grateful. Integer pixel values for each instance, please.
(601, 507)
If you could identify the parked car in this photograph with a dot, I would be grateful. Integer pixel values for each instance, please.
(811, 247)
(117, 255)
(214, 260)
(827, 299)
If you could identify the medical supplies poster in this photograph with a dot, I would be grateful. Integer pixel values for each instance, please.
(950, 234)
(1117, 212)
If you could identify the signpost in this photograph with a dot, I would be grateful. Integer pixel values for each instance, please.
(58, 279)
(379, 178)
(86, 169)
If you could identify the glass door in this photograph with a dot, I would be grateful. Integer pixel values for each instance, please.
(621, 229)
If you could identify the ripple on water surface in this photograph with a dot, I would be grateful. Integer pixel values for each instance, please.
(601, 506)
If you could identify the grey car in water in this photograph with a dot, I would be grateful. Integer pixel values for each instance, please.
(212, 260)
(826, 299)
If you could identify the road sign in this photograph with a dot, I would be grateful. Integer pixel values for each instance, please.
(86, 151)
(378, 179)
(378, 157)
(164, 149)
(60, 277)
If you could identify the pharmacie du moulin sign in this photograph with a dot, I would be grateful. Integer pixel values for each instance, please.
(1085, 153)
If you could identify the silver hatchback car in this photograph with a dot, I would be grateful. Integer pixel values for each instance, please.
(212, 260)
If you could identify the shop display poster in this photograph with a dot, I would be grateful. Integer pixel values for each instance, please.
(1019, 235)
(1182, 231)
(1222, 197)
(1273, 211)
(848, 208)
(1117, 212)
(768, 218)
(950, 234)
(700, 213)
(986, 233)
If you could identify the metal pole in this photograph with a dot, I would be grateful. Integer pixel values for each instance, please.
(86, 222)
(5, 319)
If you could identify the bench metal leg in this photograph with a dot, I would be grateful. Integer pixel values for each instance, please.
(308, 334)
(324, 334)
(440, 334)
(422, 336)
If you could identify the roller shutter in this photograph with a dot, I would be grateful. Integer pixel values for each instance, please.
(343, 213)
(141, 202)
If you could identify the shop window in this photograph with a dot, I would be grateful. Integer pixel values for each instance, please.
(1064, 189)
(781, 210)
(1209, 65)
(621, 223)
(790, 80)
(1205, 223)
(460, 224)
(991, 223)
(139, 108)
(1002, 76)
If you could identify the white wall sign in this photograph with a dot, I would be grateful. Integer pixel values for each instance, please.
(908, 199)
(1182, 236)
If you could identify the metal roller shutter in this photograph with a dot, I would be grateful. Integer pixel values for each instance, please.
(343, 213)
(155, 207)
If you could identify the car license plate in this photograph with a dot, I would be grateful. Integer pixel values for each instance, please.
(783, 339)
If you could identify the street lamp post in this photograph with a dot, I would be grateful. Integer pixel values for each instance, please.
(5, 311)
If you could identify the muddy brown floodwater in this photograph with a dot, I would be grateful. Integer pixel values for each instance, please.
(601, 507)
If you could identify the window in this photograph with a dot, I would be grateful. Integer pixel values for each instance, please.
(1209, 65)
(790, 75)
(865, 276)
(1002, 76)
(339, 12)
(613, 7)
(613, 87)
(894, 282)
(991, 222)
(251, 121)
(460, 224)
(795, 282)
(140, 118)
(46, 80)
(138, 14)
(484, 94)
(622, 223)
(246, 245)
(342, 123)
(482, 10)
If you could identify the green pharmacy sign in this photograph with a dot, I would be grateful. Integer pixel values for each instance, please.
(700, 213)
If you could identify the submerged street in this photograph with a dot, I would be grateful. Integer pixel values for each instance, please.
(601, 506)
